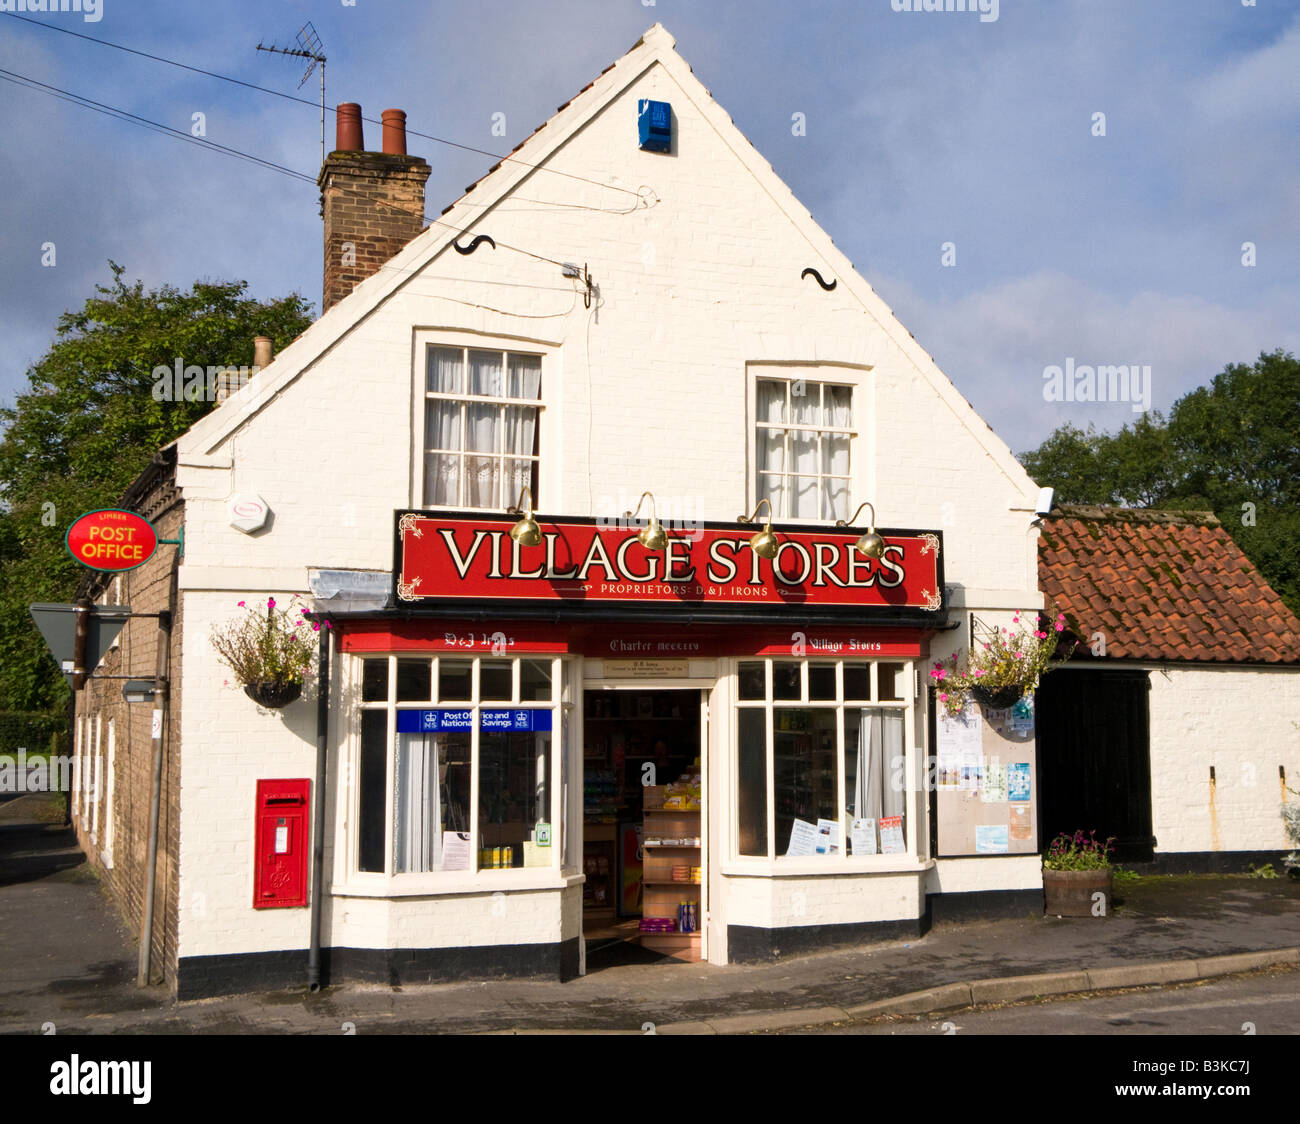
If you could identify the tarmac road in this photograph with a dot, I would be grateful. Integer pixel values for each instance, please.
(1263, 1002)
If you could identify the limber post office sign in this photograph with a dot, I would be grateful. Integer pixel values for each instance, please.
(452, 558)
(111, 540)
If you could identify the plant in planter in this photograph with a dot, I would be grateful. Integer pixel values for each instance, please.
(1000, 671)
(1076, 869)
(1291, 818)
(270, 649)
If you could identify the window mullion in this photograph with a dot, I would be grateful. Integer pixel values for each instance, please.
(771, 765)
(841, 782)
(461, 459)
(474, 767)
(390, 769)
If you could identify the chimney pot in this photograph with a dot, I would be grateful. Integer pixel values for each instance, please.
(262, 351)
(372, 203)
(348, 135)
(394, 121)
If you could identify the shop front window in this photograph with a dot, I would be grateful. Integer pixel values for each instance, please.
(454, 765)
(821, 758)
(430, 797)
(514, 794)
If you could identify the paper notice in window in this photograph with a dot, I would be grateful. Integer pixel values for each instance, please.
(1018, 781)
(995, 784)
(991, 839)
(1021, 829)
(455, 850)
(961, 739)
(862, 837)
(891, 835)
(828, 833)
(804, 838)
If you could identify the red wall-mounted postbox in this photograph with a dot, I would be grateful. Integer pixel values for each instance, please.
(280, 873)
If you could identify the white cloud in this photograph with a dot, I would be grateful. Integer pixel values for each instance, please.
(994, 344)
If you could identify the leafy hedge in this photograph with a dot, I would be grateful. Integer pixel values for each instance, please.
(30, 730)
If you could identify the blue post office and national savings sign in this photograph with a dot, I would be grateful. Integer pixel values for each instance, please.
(462, 718)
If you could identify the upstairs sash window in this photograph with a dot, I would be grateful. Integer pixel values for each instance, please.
(803, 447)
(480, 426)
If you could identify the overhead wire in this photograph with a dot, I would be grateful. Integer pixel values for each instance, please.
(134, 119)
(545, 205)
(307, 101)
(123, 115)
(516, 315)
(127, 117)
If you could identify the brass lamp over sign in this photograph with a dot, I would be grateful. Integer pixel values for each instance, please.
(765, 544)
(652, 536)
(526, 532)
(870, 544)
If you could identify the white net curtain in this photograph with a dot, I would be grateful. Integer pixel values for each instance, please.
(480, 454)
(803, 468)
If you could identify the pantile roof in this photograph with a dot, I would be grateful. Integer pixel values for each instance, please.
(1161, 586)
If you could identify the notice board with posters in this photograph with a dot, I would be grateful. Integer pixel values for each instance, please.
(985, 781)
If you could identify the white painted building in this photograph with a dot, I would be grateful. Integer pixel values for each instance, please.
(1175, 727)
(710, 346)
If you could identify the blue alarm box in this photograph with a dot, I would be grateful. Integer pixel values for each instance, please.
(655, 122)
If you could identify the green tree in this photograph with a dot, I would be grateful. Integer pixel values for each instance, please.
(1232, 447)
(89, 423)
(1133, 467)
(1238, 443)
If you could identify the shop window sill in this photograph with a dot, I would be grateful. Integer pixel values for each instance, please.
(486, 882)
(811, 868)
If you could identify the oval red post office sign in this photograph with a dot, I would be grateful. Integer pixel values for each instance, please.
(112, 540)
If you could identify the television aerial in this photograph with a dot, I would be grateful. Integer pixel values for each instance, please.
(309, 47)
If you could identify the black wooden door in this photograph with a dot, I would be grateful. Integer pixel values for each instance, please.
(1094, 758)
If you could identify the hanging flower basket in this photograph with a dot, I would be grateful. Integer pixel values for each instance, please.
(270, 649)
(999, 698)
(273, 695)
(999, 672)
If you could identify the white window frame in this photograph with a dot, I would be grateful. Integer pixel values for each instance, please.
(350, 879)
(841, 862)
(95, 782)
(110, 827)
(819, 376)
(76, 769)
(546, 471)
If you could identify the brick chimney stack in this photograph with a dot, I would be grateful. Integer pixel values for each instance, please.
(372, 202)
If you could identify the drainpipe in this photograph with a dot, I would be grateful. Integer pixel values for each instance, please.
(318, 811)
(160, 700)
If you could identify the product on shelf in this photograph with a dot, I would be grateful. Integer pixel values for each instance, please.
(658, 925)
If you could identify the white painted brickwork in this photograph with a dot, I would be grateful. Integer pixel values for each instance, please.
(970, 875)
(1244, 724)
(462, 920)
(778, 903)
(228, 744)
(649, 390)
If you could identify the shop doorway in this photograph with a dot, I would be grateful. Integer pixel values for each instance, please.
(643, 825)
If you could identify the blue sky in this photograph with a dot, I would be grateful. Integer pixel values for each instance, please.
(922, 128)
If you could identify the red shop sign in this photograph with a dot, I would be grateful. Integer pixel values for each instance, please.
(111, 540)
(629, 640)
(446, 557)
